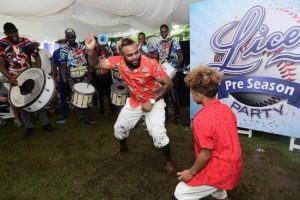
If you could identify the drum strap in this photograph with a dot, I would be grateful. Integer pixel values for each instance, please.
(169, 55)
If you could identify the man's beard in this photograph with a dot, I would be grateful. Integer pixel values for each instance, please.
(133, 65)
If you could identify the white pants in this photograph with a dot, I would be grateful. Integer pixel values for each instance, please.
(186, 192)
(155, 122)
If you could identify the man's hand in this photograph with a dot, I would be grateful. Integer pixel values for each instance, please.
(3, 99)
(90, 42)
(147, 107)
(13, 81)
(185, 175)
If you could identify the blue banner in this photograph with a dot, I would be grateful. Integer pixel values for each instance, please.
(256, 45)
(273, 86)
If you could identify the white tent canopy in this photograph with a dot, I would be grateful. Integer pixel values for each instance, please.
(47, 19)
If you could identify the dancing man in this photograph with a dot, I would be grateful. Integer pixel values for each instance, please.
(148, 83)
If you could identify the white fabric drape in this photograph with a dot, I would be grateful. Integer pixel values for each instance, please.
(47, 19)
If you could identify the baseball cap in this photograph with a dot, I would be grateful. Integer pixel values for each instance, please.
(113, 46)
(9, 27)
(69, 32)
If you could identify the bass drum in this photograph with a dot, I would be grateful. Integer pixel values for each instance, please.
(35, 90)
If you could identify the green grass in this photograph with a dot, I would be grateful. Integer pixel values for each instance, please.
(270, 141)
(75, 162)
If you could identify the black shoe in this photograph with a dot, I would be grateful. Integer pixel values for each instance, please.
(62, 120)
(90, 121)
(48, 128)
(177, 121)
(187, 123)
(28, 132)
(84, 122)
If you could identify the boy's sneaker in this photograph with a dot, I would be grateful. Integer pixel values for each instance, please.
(48, 128)
(18, 123)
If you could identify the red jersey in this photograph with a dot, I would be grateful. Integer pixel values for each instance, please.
(17, 57)
(143, 81)
(215, 128)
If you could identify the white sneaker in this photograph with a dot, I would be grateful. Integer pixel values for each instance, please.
(18, 123)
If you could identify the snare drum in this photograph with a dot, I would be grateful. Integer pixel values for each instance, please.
(119, 94)
(169, 69)
(35, 90)
(82, 95)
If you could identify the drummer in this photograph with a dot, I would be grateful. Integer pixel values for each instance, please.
(102, 79)
(15, 54)
(169, 51)
(148, 83)
(74, 64)
(142, 43)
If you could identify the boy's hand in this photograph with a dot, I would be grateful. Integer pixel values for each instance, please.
(185, 175)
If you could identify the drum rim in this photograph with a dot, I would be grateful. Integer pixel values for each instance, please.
(84, 94)
(33, 102)
(28, 104)
(115, 90)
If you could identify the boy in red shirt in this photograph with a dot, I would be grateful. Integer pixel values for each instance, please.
(218, 164)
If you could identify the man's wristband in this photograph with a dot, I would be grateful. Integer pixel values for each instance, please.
(152, 101)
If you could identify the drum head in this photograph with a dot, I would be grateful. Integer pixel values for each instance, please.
(84, 88)
(31, 83)
(119, 88)
(153, 39)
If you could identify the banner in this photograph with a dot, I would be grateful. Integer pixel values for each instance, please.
(256, 45)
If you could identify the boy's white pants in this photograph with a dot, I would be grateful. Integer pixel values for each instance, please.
(186, 192)
(155, 122)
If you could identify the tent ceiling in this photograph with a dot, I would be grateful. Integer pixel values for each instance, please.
(47, 19)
